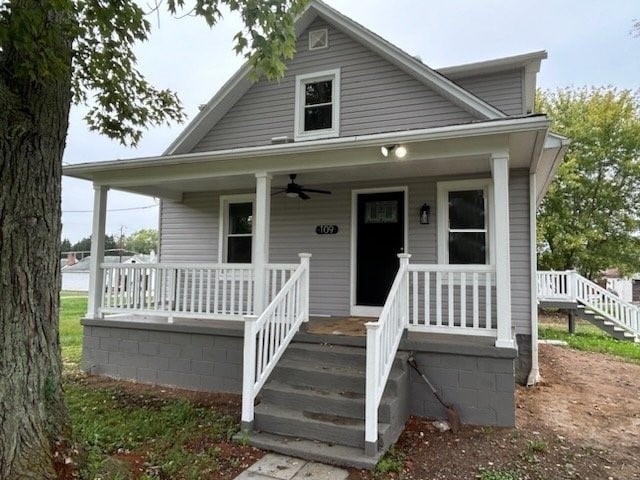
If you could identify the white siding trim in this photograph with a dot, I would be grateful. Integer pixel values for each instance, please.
(358, 309)
(225, 200)
(443, 189)
(334, 131)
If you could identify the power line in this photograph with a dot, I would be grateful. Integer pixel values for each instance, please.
(112, 209)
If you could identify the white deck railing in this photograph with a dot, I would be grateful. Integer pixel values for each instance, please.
(212, 291)
(267, 337)
(569, 286)
(558, 286)
(452, 299)
(383, 338)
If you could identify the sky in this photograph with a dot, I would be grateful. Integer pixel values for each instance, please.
(589, 43)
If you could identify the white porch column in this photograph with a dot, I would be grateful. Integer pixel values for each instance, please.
(97, 249)
(261, 223)
(500, 173)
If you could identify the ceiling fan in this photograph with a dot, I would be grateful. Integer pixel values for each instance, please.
(295, 190)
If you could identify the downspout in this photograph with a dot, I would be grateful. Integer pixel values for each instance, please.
(534, 374)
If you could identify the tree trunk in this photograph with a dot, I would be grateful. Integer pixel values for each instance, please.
(34, 109)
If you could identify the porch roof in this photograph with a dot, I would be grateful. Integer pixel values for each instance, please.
(452, 150)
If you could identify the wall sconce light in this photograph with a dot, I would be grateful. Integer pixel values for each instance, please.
(399, 151)
(425, 211)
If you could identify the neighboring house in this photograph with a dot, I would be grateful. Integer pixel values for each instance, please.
(443, 169)
(75, 275)
(627, 288)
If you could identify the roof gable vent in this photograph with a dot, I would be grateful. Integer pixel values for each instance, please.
(318, 39)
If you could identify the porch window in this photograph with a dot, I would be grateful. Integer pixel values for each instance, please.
(237, 229)
(317, 105)
(463, 233)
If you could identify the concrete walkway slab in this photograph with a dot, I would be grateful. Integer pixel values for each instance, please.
(282, 467)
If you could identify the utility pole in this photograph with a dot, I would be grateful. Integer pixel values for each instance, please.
(121, 242)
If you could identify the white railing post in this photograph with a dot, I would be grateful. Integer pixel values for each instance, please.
(261, 223)
(248, 371)
(572, 285)
(500, 211)
(371, 388)
(96, 290)
(304, 261)
(404, 266)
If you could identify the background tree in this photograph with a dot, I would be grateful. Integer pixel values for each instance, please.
(142, 241)
(65, 246)
(590, 218)
(53, 52)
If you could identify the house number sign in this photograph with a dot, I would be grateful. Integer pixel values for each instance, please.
(327, 229)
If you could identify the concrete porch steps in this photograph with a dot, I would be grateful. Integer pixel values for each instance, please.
(316, 395)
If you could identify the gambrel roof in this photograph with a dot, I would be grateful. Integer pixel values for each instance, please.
(240, 83)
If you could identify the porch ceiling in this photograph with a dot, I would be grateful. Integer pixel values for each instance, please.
(464, 150)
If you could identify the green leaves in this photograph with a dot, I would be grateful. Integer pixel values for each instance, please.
(590, 218)
(101, 36)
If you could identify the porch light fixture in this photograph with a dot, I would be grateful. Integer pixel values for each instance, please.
(399, 151)
(425, 211)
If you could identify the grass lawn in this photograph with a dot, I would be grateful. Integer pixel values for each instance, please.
(124, 433)
(587, 338)
(73, 306)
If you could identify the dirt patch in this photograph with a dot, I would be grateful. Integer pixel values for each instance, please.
(588, 397)
(582, 421)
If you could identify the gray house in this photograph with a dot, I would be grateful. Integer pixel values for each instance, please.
(426, 242)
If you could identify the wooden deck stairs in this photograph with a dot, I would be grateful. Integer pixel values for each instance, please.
(585, 299)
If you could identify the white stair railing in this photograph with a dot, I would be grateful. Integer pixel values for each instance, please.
(610, 306)
(569, 286)
(383, 338)
(266, 337)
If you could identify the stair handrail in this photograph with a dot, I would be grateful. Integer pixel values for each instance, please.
(266, 337)
(383, 339)
(607, 304)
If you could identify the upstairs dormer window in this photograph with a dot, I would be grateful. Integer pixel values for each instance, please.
(317, 105)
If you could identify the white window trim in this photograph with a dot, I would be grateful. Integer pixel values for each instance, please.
(444, 188)
(326, 36)
(334, 131)
(225, 201)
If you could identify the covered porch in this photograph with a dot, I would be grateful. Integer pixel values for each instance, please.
(271, 297)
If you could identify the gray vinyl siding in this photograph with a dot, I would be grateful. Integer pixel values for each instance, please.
(520, 252)
(375, 97)
(189, 229)
(190, 233)
(503, 90)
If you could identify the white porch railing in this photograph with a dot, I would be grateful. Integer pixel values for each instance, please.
(267, 337)
(383, 338)
(453, 299)
(569, 286)
(214, 291)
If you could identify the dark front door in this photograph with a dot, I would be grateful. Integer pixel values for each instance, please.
(380, 238)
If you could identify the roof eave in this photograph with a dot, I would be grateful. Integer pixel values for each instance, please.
(87, 171)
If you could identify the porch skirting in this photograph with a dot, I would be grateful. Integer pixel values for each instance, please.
(470, 372)
(194, 355)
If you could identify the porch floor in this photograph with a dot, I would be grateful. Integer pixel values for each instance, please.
(345, 326)
(347, 331)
